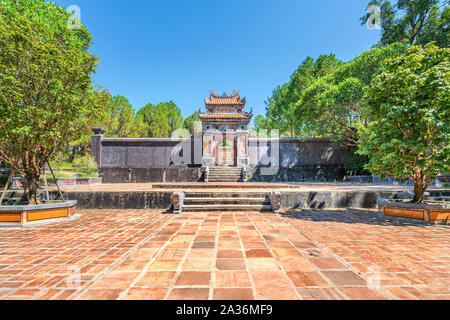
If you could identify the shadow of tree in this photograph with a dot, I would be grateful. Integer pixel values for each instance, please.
(350, 216)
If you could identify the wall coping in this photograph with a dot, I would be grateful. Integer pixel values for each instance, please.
(251, 139)
(66, 204)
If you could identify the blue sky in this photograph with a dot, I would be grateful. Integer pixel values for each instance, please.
(155, 50)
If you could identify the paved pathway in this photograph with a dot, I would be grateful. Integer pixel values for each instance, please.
(147, 254)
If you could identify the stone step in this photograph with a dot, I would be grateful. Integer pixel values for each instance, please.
(228, 200)
(226, 194)
(225, 180)
(225, 177)
(226, 207)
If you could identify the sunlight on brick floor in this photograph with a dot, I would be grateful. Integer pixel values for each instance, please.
(147, 254)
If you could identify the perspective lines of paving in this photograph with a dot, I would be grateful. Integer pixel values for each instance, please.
(149, 254)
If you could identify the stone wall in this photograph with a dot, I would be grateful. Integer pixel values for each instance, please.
(152, 174)
(139, 160)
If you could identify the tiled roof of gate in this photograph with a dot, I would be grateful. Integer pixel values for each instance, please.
(224, 116)
(224, 101)
(234, 99)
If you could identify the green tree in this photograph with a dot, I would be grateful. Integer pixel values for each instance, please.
(45, 85)
(161, 120)
(190, 122)
(412, 21)
(101, 101)
(331, 105)
(408, 106)
(259, 123)
(125, 117)
(282, 105)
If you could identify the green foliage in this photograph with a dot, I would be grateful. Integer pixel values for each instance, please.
(85, 166)
(408, 107)
(80, 167)
(227, 143)
(161, 120)
(356, 163)
(282, 106)
(190, 122)
(331, 105)
(413, 21)
(323, 98)
(45, 84)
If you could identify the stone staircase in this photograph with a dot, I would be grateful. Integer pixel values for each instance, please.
(205, 201)
(224, 174)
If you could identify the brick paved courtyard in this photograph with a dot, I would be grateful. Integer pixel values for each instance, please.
(147, 254)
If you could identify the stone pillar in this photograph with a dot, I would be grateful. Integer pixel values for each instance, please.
(275, 201)
(96, 145)
(208, 149)
(178, 201)
(242, 147)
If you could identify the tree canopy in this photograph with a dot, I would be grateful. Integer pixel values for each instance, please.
(45, 84)
(190, 123)
(412, 21)
(160, 120)
(408, 107)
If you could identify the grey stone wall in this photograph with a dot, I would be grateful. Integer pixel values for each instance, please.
(144, 153)
(153, 174)
(141, 160)
(297, 152)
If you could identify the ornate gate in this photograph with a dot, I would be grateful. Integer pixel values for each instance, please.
(226, 153)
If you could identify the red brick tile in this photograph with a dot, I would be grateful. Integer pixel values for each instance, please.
(362, 294)
(232, 279)
(286, 252)
(204, 245)
(307, 279)
(264, 279)
(164, 265)
(198, 265)
(258, 253)
(255, 245)
(132, 265)
(297, 264)
(266, 264)
(328, 263)
(156, 279)
(319, 294)
(116, 280)
(145, 294)
(230, 264)
(101, 294)
(193, 278)
(233, 294)
(189, 294)
(344, 278)
(274, 293)
(229, 253)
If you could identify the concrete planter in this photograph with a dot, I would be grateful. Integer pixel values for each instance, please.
(25, 215)
(20, 183)
(429, 212)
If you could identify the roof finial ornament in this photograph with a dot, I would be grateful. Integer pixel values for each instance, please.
(214, 93)
(235, 93)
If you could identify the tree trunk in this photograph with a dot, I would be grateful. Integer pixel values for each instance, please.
(33, 189)
(419, 180)
(419, 193)
(11, 175)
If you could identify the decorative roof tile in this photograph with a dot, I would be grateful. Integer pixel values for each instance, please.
(225, 116)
